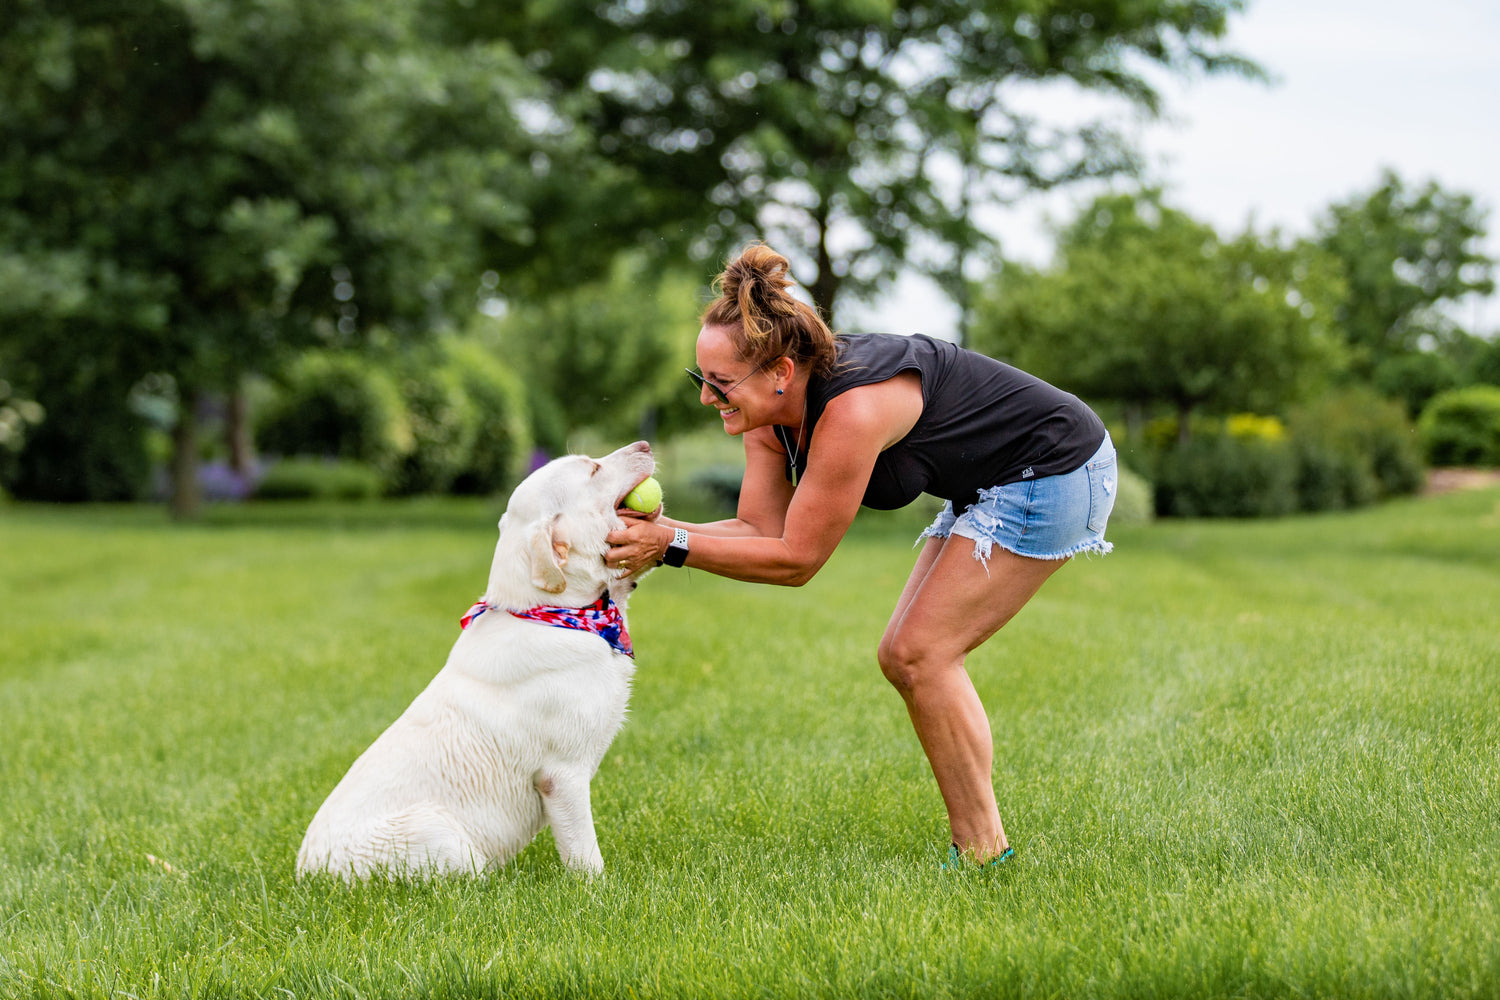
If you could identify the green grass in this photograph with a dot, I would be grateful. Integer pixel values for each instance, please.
(1236, 759)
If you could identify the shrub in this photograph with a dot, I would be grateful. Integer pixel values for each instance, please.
(1415, 378)
(444, 424)
(318, 479)
(1462, 426)
(1353, 448)
(1485, 366)
(85, 445)
(337, 406)
(502, 440)
(1331, 479)
(1134, 503)
(1222, 475)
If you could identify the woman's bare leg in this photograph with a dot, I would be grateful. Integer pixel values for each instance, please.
(949, 606)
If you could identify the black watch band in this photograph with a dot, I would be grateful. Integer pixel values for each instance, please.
(677, 549)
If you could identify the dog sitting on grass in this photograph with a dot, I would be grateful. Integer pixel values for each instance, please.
(508, 735)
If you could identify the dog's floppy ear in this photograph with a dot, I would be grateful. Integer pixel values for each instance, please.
(547, 551)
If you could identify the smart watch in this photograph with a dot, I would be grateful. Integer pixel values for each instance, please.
(677, 548)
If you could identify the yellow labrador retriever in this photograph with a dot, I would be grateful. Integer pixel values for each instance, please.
(507, 736)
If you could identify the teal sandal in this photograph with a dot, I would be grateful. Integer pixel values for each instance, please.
(956, 860)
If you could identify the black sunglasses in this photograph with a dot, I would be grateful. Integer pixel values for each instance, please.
(722, 394)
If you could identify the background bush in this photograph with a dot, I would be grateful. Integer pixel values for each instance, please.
(85, 445)
(449, 417)
(333, 405)
(444, 424)
(1134, 500)
(502, 439)
(1353, 448)
(1225, 475)
(319, 479)
(1462, 427)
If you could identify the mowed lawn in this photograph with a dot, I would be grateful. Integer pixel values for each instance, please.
(1236, 759)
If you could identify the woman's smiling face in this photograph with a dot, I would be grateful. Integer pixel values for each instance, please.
(720, 362)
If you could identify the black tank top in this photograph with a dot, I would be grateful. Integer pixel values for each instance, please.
(983, 422)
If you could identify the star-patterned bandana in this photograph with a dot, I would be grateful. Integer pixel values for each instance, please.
(603, 618)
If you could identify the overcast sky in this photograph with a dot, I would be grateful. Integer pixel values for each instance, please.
(1357, 86)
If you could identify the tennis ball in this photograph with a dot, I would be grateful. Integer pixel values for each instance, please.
(646, 497)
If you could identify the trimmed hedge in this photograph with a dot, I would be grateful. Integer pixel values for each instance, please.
(446, 417)
(444, 424)
(318, 479)
(502, 440)
(333, 405)
(1462, 426)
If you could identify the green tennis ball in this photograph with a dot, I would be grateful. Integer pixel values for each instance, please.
(645, 497)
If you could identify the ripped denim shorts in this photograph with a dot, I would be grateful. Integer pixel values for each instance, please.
(1054, 517)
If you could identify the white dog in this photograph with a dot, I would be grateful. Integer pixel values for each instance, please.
(507, 736)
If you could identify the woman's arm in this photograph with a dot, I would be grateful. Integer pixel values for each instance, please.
(782, 536)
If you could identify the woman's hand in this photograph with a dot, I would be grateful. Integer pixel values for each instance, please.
(628, 514)
(638, 545)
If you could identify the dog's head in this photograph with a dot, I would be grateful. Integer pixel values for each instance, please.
(552, 543)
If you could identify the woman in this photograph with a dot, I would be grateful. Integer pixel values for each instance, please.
(830, 423)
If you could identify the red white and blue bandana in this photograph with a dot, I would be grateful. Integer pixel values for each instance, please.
(603, 618)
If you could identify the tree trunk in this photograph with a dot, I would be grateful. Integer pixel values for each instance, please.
(826, 287)
(186, 495)
(237, 431)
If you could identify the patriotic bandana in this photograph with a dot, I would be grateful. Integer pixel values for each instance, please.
(603, 618)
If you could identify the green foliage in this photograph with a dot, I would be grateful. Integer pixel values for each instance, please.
(1223, 475)
(1404, 253)
(203, 187)
(606, 357)
(1148, 307)
(1279, 710)
(338, 405)
(319, 479)
(17, 416)
(444, 423)
(1462, 427)
(794, 122)
(1415, 377)
(1135, 499)
(1484, 366)
(502, 436)
(1353, 448)
(85, 443)
(1341, 450)
(447, 416)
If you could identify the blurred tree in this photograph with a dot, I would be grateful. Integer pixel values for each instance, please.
(1405, 254)
(608, 355)
(850, 134)
(1148, 307)
(194, 187)
(1484, 366)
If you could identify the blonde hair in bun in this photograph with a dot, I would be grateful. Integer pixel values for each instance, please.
(764, 319)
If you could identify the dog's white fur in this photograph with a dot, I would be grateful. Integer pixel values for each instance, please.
(507, 736)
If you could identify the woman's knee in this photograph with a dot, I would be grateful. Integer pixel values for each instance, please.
(905, 663)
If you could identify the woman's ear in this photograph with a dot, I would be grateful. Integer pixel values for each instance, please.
(784, 371)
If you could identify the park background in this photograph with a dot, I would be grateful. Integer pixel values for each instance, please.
(321, 282)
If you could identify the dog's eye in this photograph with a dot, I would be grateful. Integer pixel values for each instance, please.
(594, 470)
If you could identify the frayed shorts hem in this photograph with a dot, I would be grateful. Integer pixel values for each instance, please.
(1054, 517)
